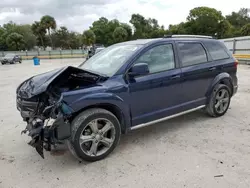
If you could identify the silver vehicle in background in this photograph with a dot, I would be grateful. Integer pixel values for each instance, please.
(94, 51)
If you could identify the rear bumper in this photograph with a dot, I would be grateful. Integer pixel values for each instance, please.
(235, 89)
(235, 84)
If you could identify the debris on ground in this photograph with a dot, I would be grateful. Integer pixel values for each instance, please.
(130, 164)
(218, 176)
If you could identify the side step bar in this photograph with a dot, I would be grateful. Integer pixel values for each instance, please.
(166, 118)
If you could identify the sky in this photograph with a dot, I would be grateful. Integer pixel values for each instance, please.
(78, 15)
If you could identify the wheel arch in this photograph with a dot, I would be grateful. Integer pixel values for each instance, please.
(223, 78)
(114, 109)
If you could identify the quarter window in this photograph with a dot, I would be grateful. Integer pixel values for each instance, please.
(159, 58)
(192, 54)
(216, 50)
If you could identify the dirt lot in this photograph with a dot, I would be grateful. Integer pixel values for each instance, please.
(188, 151)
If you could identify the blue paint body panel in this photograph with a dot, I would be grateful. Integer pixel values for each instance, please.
(150, 97)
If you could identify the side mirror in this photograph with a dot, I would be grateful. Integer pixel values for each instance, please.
(139, 69)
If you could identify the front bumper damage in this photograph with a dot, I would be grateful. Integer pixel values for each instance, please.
(45, 103)
(46, 132)
(44, 136)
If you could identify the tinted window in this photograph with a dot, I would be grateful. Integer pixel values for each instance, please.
(216, 50)
(159, 58)
(192, 54)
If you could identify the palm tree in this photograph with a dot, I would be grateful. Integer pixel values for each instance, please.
(49, 23)
(39, 31)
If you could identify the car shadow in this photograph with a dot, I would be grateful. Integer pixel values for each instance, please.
(158, 130)
(8, 64)
(61, 157)
(164, 128)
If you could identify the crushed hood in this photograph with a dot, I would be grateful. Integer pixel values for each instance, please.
(40, 83)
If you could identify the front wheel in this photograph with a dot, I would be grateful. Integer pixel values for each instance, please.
(219, 101)
(95, 134)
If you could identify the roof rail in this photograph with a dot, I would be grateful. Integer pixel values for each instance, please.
(187, 36)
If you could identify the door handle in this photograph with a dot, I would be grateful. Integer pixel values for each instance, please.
(175, 77)
(212, 69)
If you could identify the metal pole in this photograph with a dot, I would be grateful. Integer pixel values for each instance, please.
(234, 46)
(38, 53)
(26, 55)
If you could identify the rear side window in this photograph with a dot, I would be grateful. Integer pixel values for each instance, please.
(192, 54)
(216, 50)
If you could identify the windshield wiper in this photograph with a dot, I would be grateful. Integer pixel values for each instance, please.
(95, 73)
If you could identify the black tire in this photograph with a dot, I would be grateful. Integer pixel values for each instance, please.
(81, 122)
(20, 61)
(211, 106)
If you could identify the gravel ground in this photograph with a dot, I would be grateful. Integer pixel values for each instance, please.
(189, 151)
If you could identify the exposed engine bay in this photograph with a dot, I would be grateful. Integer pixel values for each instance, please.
(41, 104)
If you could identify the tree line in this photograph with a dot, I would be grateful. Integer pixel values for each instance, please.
(43, 33)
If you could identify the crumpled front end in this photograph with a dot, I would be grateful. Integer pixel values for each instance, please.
(48, 128)
(40, 102)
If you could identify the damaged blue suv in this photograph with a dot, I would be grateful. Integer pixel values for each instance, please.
(124, 87)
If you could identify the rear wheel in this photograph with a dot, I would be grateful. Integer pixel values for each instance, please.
(95, 134)
(219, 101)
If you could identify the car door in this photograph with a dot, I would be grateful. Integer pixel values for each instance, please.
(198, 71)
(155, 95)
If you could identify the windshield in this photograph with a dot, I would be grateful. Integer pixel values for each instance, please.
(9, 55)
(110, 59)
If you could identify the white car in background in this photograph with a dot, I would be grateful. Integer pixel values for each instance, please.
(99, 49)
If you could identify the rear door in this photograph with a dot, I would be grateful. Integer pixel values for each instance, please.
(198, 71)
(221, 57)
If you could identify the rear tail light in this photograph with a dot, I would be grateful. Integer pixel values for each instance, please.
(236, 62)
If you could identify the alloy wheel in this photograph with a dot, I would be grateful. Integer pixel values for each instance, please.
(97, 137)
(222, 101)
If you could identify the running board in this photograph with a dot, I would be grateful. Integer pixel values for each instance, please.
(166, 118)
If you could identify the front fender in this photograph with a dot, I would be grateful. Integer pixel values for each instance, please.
(223, 76)
(94, 99)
